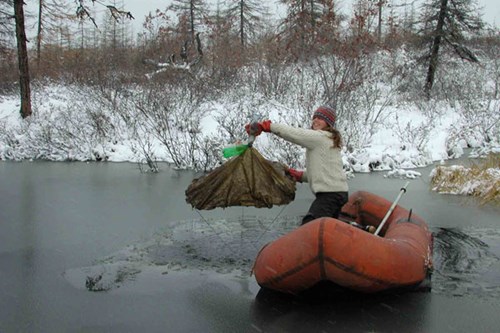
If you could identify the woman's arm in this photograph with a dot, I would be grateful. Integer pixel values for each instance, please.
(307, 138)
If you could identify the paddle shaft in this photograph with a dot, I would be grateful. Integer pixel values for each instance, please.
(389, 212)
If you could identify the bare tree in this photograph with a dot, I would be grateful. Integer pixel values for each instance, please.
(192, 12)
(365, 12)
(83, 11)
(248, 15)
(307, 24)
(22, 51)
(188, 63)
(446, 23)
(50, 14)
(8, 61)
(6, 26)
(115, 30)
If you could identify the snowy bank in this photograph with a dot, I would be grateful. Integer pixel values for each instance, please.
(479, 180)
(71, 124)
(385, 123)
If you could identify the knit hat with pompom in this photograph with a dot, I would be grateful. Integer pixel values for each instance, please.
(327, 114)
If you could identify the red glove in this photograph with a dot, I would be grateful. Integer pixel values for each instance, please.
(296, 174)
(253, 129)
(257, 128)
(265, 125)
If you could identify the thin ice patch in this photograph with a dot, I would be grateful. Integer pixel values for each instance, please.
(224, 246)
(466, 262)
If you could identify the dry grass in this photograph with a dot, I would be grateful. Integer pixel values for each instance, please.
(481, 180)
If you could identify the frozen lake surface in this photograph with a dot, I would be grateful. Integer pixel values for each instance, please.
(90, 247)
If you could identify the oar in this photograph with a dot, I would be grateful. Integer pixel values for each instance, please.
(389, 212)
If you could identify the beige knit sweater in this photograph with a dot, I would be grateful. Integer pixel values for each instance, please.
(324, 171)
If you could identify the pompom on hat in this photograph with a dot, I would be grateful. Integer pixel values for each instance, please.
(327, 114)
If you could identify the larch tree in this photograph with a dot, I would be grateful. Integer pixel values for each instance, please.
(50, 15)
(307, 24)
(191, 12)
(248, 16)
(82, 12)
(367, 12)
(225, 58)
(6, 24)
(22, 58)
(364, 19)
(408, 19)
(380, 4)
(191, 15)
(448, 23)
(116, 30)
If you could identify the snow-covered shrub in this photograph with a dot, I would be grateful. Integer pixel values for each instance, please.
(39, 138)
(187, 122)
(273, 78)
(170, 115)
(360, 92)
(481, 180)
(474, 93)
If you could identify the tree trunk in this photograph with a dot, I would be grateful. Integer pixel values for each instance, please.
(434, 57)
(22, 55)
(191, 18)
(379, 28)
(39, 34)
(242, 27)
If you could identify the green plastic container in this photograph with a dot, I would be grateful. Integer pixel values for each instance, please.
(234, 150)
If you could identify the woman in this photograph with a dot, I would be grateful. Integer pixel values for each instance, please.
(324, 171)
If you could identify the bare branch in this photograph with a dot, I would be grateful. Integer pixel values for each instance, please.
(118, 14)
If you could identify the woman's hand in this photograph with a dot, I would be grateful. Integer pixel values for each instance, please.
(295, 174)
(258, 127)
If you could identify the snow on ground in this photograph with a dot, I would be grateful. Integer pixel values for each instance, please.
(392, 148)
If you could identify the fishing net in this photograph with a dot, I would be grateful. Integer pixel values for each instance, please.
(245, 180)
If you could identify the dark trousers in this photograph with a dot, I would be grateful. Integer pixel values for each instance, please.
(326, 204)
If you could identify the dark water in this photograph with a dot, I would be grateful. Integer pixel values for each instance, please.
(169, 269)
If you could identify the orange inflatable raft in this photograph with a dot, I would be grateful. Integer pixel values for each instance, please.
(333, 250)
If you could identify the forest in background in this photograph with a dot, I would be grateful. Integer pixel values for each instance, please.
(69, 42)
(156, 84)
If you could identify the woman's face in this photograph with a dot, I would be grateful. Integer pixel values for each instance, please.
(318, 124)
